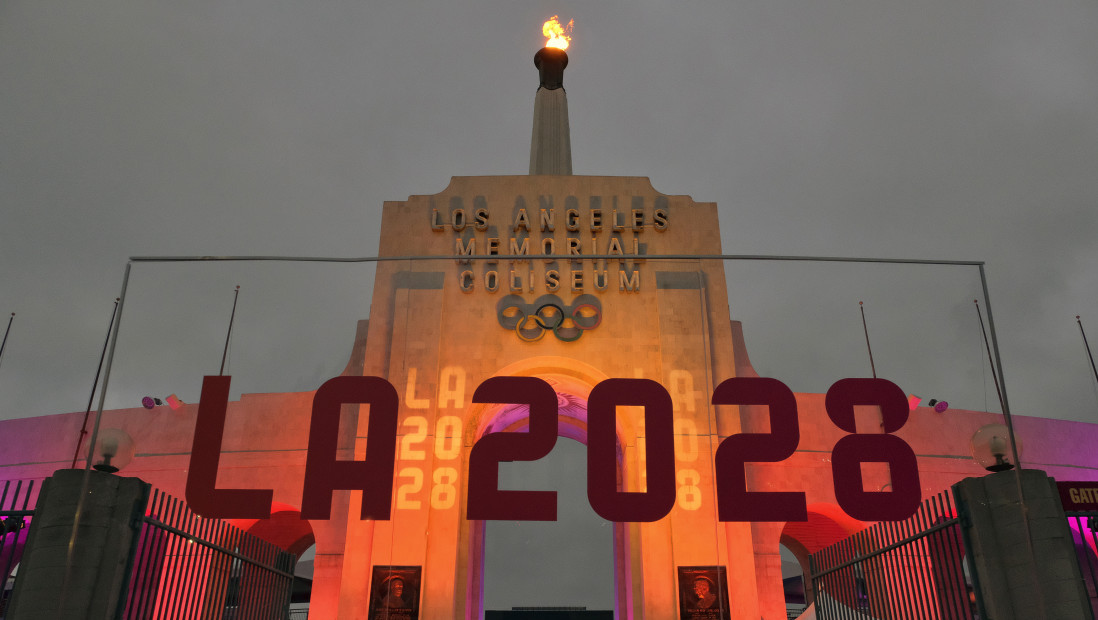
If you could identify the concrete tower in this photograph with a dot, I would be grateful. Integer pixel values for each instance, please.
(551, 144)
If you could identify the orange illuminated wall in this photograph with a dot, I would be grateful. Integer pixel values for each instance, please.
(440, 328)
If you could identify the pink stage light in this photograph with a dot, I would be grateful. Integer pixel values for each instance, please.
(174, 402)
(913, 401)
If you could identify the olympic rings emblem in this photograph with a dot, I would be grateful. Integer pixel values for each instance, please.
(549, 314)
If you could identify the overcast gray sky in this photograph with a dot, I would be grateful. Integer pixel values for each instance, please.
(926, 129)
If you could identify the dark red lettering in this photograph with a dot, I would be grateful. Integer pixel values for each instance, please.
(374, 474)
(851, 451)
(209, 428)
(603, 490)
(486, 500)
(734, 501)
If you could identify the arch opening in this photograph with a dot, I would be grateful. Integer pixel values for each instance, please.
(567, 562)
(572, 392)
(287, 530)
(794, 578)
(826, 525)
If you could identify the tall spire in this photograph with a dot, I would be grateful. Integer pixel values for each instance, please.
(550, 143)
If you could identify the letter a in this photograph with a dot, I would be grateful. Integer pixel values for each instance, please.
(373, 475)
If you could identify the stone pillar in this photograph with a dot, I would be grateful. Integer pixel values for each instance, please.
(1024, 572)
(327, 572)
(551, 141)
(91, 587)
(768, 569)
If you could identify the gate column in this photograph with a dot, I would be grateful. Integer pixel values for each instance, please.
(111, 512)
(1023, 572)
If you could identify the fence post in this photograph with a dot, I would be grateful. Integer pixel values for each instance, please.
(100, 554)
(1022, 572)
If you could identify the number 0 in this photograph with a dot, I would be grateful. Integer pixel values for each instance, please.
(602, 492)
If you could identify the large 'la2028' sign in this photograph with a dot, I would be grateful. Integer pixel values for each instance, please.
(374, 474)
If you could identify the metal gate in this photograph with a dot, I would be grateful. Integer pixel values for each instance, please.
(188, 567)
(910, 570)
(17, 500)
(1084, 531)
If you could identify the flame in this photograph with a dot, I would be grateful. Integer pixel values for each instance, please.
(559, 36)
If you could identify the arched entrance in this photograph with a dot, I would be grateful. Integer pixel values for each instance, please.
(572, 381)
(794, 580)
(286, 529)
(826, 524)
(568, 562)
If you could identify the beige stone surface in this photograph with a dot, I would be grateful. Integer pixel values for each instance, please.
(551, 140)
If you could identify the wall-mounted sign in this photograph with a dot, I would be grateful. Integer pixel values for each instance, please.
(394, 593)
(1078, 495)
(703, 593)
(600, 227)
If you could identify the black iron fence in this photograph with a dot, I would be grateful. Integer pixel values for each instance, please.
(188, 567)
(17, 501)
(909, 570)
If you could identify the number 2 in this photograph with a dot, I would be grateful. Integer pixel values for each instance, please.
(485, 499)
(734, 501)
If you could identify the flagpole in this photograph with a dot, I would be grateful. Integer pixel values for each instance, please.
(78, 514)
(91, 397)
(872, 366)
(5, 342)
(1087, 345)
(225, 353)
(987, 346)
(998, 370)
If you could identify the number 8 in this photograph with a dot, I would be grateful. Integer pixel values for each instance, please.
(851, 451)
